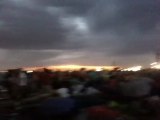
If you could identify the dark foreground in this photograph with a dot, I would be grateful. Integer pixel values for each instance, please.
(80, 95)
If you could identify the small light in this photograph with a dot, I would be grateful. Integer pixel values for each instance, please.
(156, 66)
(99, 69)
(135, 68)
(153, 63)
(30, 71)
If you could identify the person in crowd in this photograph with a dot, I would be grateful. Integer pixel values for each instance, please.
(35, 82)
(23, 83)
(57, 108)
(11, 83)
(65, 89)
(16, 83)
(46, 80)
(156, 86)
(77, 86)
(136, 87)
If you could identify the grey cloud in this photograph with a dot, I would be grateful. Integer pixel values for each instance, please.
(29, 58)
(134, 23)
(73, 7)
(118, 28)
(116, 15)
(26, 28)
(20, 58)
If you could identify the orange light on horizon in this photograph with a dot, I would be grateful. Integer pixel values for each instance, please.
(77, 67)
(68, 68)
(72, 67)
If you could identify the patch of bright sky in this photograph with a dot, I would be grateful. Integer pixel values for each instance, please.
(54, 10)
(64, 56)
(77, 22)
(80, 24)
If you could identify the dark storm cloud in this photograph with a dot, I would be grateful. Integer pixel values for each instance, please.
(101, 27)
(74, 7)
(133, 22)
(31, 28)
(117, 15)
(130, 27)
(27, 58)
(30, 58)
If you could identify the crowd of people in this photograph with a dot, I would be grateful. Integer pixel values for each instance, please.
(71, 91)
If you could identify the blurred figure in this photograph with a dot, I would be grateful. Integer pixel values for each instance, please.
(156, 86)
(23, 84)
(46, 82)
(11, 83)
(35, 83)
(64, 90)
(57, 109)
(77, 87)
(136, 87)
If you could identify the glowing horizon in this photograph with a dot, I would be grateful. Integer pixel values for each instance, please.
(76, 67)
(72, 67)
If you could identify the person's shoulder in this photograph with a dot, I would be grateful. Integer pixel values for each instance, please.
(62, 89)
(147, 79)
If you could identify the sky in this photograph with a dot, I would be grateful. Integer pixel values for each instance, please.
(83, 32)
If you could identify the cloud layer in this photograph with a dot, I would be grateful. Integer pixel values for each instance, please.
(101, 30)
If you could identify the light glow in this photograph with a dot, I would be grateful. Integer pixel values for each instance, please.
(134, 68)
(153, 63)
(30, 71)
(156, 66)
(78, 67)
(71, 68)
(98, 69)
